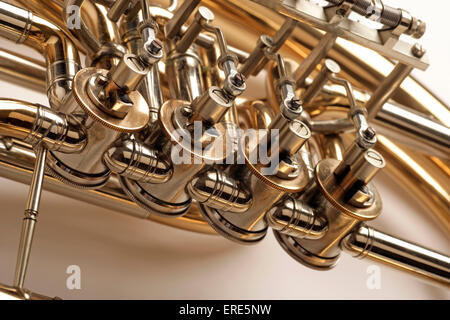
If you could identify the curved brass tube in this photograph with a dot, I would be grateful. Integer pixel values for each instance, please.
(22, 70)
(360, 65)
(34, 123)
(94, 16)
(48, 9)
(82, 32)
(103, 44)
(426, 178)
(60, 53)
(17, 119)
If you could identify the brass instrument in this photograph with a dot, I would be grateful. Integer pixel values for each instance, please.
(148, 115)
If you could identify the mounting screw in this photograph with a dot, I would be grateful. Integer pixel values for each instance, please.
(295, 104)
(101, 80)
(186, 111)
(155, 47)
(418, 50)
(369, 133)
(238, 79)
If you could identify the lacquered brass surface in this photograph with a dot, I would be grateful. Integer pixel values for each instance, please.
(327, 183)
(152, 71)
(134, 121)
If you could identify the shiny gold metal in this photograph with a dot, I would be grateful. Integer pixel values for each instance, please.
(134, 121)
(115, 123)
(427, 178)
(17, 161)
(61, 55)
(22, 70)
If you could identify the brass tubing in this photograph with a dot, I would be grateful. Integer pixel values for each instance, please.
(117, 9)
(99, 36)
(398, 253)
(94, 16)
(22, 70)
(333, 146)
(360, 66)
(36, 124)
(413, 129)
(60, 53)
(17, 119)
(81, 31)
(48, 9)
(17, 161)
(184, 74)
(428, 180)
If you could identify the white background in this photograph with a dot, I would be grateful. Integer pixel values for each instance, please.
(124, 258)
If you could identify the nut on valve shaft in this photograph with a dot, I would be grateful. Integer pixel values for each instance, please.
(127, 74)
(211, 106)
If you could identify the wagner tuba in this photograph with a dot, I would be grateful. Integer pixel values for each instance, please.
(148, 114)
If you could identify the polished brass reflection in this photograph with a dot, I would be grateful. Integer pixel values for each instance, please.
(339, 94)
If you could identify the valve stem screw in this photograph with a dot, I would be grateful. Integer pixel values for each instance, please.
(369, 133)
(295, 104)
(238, 79)
(155, 47)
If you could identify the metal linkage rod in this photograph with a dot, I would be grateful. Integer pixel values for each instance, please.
(180, 16)
(389, 16)
(313, 59)
(387, 88)
(31, 213)
(265, 47)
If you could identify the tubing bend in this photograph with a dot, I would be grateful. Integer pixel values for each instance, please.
(82, 32)
(61, 55)
(217, 190)
(103, 44)
(34, 123)
(294, 218)
(407, 256)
